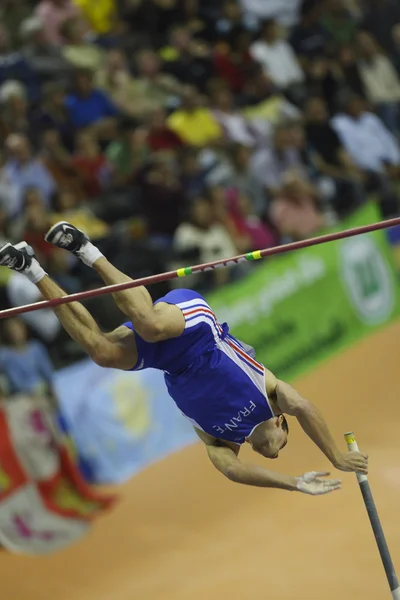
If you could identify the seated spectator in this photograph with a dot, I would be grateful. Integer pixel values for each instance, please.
(203, 239)
(381, 81)
(235, 126)
(89, 106)
(349, 71)
(45, 58)
(247, 224)
(155, 89)
(25, 171)
(338, 22)
(330, 156)
(193, 173)
(160, 136)
(284, 12)
(195, 124)
(76, 49)
(263, 105)
(52, 14)
(15, 113)
(279, 61)
(32, 223)
(271, 165)
(325, 79)
(128, 153)
(294, 211)
(373, 148)
(53, 113)
(369, 143)
(230, 19)
(101, 15)
(14, 66)
(67, 208)
(9, 193)
(127, 93)
(232, 59)
(242, 179)
(25, 363)
(58, 160)
(382, 20)
(163, 199)
(187, 58)
(12, 14)
(308, 37)
(90, 165)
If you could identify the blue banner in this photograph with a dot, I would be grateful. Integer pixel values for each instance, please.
(121, 422)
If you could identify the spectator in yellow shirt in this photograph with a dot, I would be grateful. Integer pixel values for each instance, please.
(194, 123)
(100, 14)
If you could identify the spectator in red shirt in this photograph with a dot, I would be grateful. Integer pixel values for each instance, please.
(233, 61)
(161, 137)
(91, 165)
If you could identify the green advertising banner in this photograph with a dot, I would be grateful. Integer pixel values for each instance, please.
(299, 308)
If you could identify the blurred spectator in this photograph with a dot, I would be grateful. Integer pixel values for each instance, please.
(382, 20)
(24, 170)
(52, 14)
(164, 199)
(199, 238)
(195, 124)
(9, 193)
(294, 211)
(232, 59)
(262, 103)
(284, 11)
(154, 89)
(33, 223)
(308, 38)
(58, 160)
(128, 153)
(236, 127)
(101, 14)
(90, 165)
(14, 66)
(242, 178)
(45, 58)
(338, 22)
(370, 144)
(271, 165)
(76, 49)
(53, 113)
(12, 14)
(279, 60)
(25, 363)
(187, 58)
(349, 71)
(15, 113)
(160, 136)
(67, 208)
(381, 81)
(88, 105)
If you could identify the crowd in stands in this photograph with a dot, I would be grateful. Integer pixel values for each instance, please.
(182, 131)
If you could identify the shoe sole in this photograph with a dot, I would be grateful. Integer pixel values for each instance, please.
(50, 231)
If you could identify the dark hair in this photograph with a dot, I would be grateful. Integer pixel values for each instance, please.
(285, 425)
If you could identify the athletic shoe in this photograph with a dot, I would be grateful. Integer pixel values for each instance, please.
(66, 236)
(17, 257)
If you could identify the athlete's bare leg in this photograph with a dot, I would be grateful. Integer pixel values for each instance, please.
(153, 323)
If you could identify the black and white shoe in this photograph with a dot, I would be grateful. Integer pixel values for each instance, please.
(17, 257)
(66, 236)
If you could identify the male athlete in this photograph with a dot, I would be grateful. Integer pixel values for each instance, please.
(214, 379)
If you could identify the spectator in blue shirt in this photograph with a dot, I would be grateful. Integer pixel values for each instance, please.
(25, 171)
(89, 106)
(14, 66)
(25, 363)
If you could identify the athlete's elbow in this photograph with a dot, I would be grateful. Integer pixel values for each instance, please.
(153, 331)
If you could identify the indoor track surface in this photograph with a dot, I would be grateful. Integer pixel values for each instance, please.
(183, 532)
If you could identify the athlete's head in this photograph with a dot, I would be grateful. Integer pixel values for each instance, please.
(269, 437)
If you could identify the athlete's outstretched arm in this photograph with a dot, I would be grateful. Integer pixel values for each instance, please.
(153, 323)
(289, 401)
(225, 458)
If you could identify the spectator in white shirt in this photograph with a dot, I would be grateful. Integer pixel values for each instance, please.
(381, 81)
(373, 148)
(236, 127)
(365, 137)
(278, 60)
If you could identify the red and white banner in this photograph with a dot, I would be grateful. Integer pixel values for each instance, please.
(45, 504)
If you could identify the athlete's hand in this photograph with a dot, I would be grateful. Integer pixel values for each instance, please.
(353, 461)
(311, 483)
